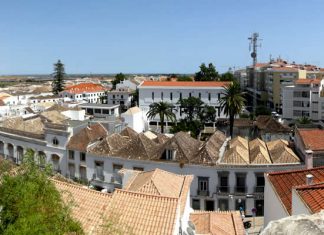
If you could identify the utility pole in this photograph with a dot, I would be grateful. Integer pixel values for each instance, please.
(254, 46)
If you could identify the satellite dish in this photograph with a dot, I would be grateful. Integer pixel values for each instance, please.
(253, 55)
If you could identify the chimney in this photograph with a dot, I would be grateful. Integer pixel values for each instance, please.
(309, 179)
(309, 159)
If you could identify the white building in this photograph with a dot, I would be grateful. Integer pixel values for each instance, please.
(88, 92)
(121, 96)
(128, 84)
(100, 110)
(293, 192)
(171, 92)
(135, 119)
(303, 99)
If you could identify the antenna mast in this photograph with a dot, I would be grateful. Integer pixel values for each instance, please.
(254, 46)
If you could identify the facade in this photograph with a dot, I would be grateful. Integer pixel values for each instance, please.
(270, 78)
(293, 192)
(88, 92)
(135, 119)
(171, 92)
(122, 96)
(303, 99)
(43, 99)
(128, 84)
(100, 110)
(220, 183)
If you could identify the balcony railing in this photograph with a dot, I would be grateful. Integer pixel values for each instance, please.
(240, 189)
(203, 193)
(259, 189)
(223, 189)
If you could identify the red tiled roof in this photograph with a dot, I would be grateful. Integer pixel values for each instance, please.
(217, 222)
(85, 87)
(308, 81)
(313, 196)
(312, 138)
(283, 182)
(185, 84)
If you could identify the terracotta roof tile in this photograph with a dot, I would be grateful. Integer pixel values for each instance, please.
(217, 223)
(87, 135)
(312, 138)
(269, 124)
(284, 181)
(84, 88)
(307, 81)
(312, 196)
(280, 152)
(183, 84)
(88, 206)
(142, 214)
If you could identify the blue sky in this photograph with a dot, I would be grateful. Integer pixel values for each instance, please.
(154, 36)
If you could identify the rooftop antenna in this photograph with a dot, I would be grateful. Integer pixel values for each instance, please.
(253, 46)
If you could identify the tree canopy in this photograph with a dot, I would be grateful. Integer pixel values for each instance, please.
(191, 107)
(232, 103)
(184, 78)
(207, 73)
(228, 76)
(118, 78)
(30, 203)
(164, 110)
(58, 77)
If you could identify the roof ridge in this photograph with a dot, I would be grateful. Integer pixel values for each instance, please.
(294, 171)
(144, 194)
(312, 186)
(81, 187)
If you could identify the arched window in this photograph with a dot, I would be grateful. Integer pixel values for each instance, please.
(55, 141)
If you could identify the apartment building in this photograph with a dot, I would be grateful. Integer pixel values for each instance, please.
(88, 92)
(303, 99)
(122, 96)
(270, 78)
(171, 92)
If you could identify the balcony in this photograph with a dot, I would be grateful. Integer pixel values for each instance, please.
(99, 177)
(259, 189)
(240, 189)
(203, 193)
(223, 189)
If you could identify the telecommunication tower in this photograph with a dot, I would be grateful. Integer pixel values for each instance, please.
(254, 46)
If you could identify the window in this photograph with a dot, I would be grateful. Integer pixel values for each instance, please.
(117, 167)
(71, 154)
(196, 204)
(55, 141)
(259, 183)
(199, 95)
(168, 154)
(203, 184)
(209, 96)
(113, 102)
(135, 168)
(223, 204)
(189, 94)
(99, 170)
(105, 111)
(121, 96)
(171, 96)
(161, 95)
(97, 110)
(209, 205)
(152, 95)
(82, 156)
(223, 182)
(180, 96)
(240, 182)
(113, 96)
(219, 96)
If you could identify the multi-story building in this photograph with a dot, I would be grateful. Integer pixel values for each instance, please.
(88, 92)
(270, 77)
(303, 99)
(122, 96)
(171, 92)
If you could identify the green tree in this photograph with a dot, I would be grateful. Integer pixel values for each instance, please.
(58, 78)
(30, 203)
(184, 78)
(262, 110)
(135, 98)
(118, 78)
(193, 127)
(207, 73)
(228, 76)
(191, 107)
(232, 103)
(304, 120)
(207, 114)
(164, 110)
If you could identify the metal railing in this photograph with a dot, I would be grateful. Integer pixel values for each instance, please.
(223, 189)
(240, 189)
(203, 193)
(259, 189)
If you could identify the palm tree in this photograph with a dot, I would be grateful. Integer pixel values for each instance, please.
(164, 110)
(232, 102)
